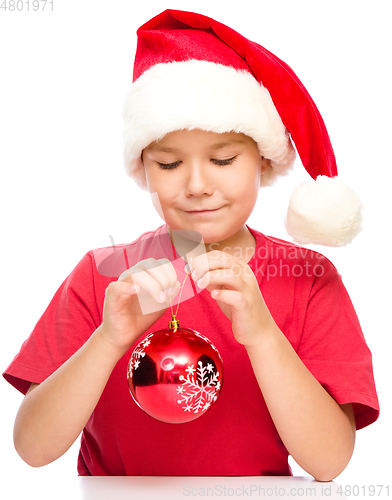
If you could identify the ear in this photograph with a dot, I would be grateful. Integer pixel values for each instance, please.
(265, 165)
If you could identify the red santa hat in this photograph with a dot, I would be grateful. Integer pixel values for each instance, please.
(192, 72)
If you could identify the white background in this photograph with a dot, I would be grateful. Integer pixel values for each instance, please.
(64, 76)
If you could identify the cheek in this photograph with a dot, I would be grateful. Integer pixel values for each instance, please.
(246, 184)
(162, 191)
(246, 188)
(156, 182)
(163, 194)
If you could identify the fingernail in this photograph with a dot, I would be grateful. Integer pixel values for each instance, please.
(162, 297)
(187, 269)
(199, 283)
(193, 275)
(169, 291)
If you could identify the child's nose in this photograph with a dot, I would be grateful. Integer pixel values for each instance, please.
(198, 181)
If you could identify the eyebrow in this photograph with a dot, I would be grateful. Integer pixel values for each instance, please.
(218, 145)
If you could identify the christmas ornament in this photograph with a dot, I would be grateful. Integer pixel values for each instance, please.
(175, 375)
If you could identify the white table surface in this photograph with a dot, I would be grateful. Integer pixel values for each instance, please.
(168, 488)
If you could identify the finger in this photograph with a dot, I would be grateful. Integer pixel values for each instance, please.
(172, 292)
(118, 293)
(161, 270)
(164, 273)
(154, 288)
(145, 282)
(231, 278)
(117, 288)
(209, 262)
(168, 267)
(149, 284)
(143, 265)
(232, 298)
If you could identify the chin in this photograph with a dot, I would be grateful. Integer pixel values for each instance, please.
(194, 233)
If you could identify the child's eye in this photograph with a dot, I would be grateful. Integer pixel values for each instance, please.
(229, 161)
(168, 166)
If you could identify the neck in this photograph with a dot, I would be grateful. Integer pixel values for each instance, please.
(241, 245)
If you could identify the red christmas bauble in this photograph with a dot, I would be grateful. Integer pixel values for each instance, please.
(175, 375)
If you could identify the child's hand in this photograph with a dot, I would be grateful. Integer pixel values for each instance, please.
(234, 286)
(137, 300)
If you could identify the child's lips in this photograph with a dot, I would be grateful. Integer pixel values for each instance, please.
(206, 211)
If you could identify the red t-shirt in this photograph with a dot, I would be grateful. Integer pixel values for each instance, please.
(236, 436)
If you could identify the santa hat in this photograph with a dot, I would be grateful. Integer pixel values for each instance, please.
(192, 72)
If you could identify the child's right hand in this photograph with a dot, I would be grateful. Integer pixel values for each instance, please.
(137, 300)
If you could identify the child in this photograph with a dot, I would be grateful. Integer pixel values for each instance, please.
(207, 121)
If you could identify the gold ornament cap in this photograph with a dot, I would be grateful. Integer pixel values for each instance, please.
(174, 324)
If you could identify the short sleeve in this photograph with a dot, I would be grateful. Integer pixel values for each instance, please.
(69, 320)
(333, 348)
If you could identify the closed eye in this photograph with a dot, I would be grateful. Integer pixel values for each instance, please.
(229, 161)
(170, 166)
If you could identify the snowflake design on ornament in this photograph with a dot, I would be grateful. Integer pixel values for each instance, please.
(199, 393)
(138, 353)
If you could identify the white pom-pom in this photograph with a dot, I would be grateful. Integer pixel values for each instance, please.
(325, 212)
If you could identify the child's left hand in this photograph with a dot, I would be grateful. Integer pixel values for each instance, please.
(234, 286)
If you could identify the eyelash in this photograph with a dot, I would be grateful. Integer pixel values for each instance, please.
(171, 166)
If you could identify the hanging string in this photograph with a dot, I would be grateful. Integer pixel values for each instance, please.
(183, 283)
(176, 255)
(179, 298)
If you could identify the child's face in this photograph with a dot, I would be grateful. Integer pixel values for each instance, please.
(206, 182)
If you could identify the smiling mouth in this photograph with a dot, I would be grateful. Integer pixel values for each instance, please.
(200, 212)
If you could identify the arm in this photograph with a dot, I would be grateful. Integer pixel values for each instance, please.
(53, 413)
(316, 431)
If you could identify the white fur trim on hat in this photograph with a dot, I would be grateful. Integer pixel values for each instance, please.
(325, 212)
(202, 95)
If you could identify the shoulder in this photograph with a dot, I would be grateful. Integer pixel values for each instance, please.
(284, 259)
